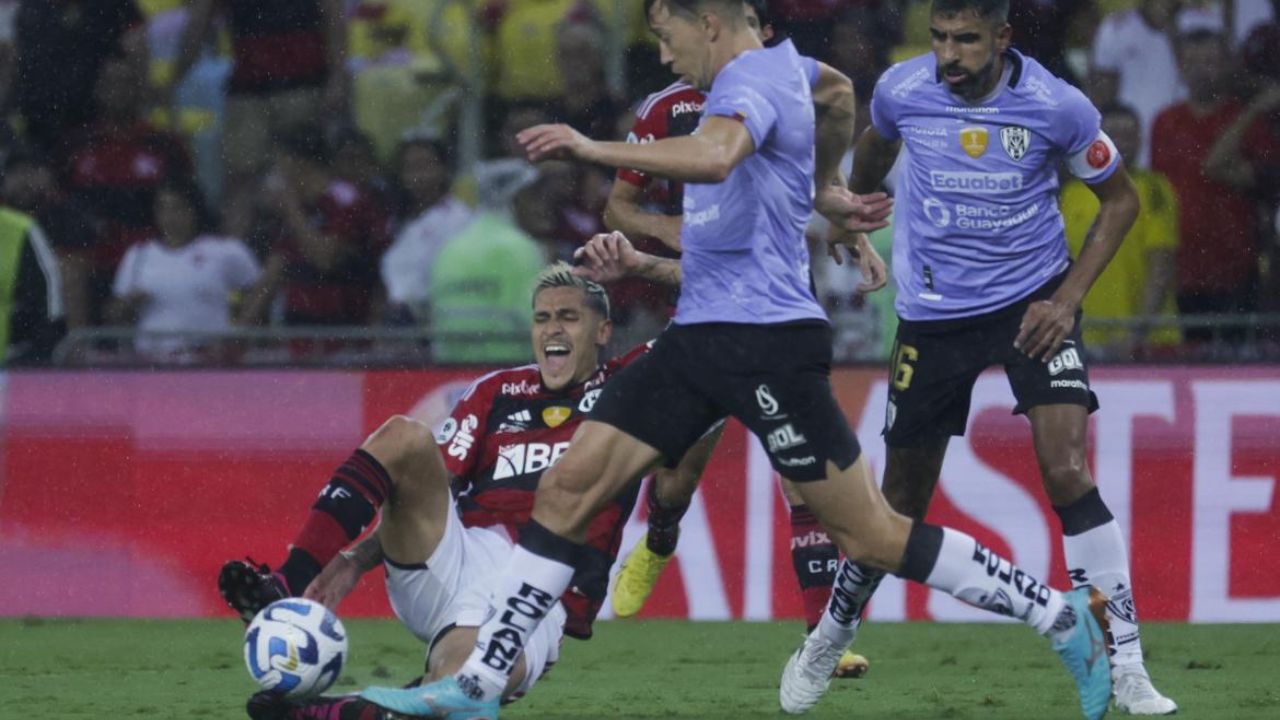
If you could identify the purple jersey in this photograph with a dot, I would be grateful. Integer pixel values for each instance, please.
(745, 258)
(978, 224)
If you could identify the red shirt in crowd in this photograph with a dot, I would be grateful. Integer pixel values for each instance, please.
(343, 295)
(1218, 247)
(113, 173)
(277, 45)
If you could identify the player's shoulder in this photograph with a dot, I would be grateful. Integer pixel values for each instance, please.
(675, 99)
(521, 381)
(1037, 86)
(908, 77)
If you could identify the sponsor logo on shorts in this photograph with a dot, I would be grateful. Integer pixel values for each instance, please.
(464, 438)
(555, 415)
(526, 458)
(798, 462)
(1072, 384)
(1067, 359)
(589, 401)
(976, 182)
(445, 432)
(785, 438)
(764, 397)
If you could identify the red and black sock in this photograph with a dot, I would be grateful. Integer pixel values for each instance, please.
(664, 522)
(346, 506)
(815, 559)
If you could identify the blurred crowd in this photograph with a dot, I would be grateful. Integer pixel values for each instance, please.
(194, 166)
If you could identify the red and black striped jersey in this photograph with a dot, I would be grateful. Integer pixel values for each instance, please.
(671, 112)
(505, 430)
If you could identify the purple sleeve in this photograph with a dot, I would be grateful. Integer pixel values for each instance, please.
(738, 99)
(1080, 121)
(883, 112)
(811, 70)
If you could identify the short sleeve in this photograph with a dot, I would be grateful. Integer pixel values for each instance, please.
(242, 269)
(459, 435)
(738, 99)
(811, 70)
(126, 280)
(883, 113)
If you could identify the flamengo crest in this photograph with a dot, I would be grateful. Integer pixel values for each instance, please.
(1015, 140)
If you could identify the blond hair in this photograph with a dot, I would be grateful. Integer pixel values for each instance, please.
(560, 274)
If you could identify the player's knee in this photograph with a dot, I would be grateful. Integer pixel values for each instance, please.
(912, 501)
(1066, 478)
(399, 444)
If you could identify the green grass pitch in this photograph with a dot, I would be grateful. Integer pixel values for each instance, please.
(107, 670)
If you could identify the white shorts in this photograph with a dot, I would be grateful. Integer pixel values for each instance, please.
(454, 586)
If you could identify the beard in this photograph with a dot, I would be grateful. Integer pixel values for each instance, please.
(974, 83)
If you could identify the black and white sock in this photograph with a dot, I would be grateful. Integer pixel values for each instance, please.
(1097, 555)
(853, 587)
(540, 570)
(951, 561)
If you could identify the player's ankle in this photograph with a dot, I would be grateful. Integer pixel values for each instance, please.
(480, 682)
(834, 632)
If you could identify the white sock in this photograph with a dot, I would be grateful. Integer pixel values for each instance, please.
(1099, 557)
(974, 574)
(530, 587)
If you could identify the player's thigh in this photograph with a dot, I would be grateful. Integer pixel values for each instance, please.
(599, 464)
(657, 399)
(856, 515)
(426, 596)
(246, 135)
(414, 516)
(931, 375)
(783, 395)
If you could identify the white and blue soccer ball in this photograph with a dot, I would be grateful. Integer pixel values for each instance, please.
(295, 647)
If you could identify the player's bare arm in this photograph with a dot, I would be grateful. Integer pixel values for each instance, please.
(625, 214)
(340, 576)
(611, 256)
(834, 110)
(1048, 322)
(873, 157)
(707, 157)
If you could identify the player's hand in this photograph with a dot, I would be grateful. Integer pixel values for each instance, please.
(335, 582)
(606, 257)
(875, 274)
(554, 142)
(1045, 325)
(853, 212)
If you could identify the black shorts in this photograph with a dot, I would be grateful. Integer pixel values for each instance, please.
(935, 364)
(775, 379)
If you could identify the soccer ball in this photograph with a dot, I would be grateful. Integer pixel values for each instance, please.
(295, 647)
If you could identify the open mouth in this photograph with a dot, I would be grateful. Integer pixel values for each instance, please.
(557, 354)
(955, 77)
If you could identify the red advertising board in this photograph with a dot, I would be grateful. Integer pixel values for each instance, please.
(122, 493)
